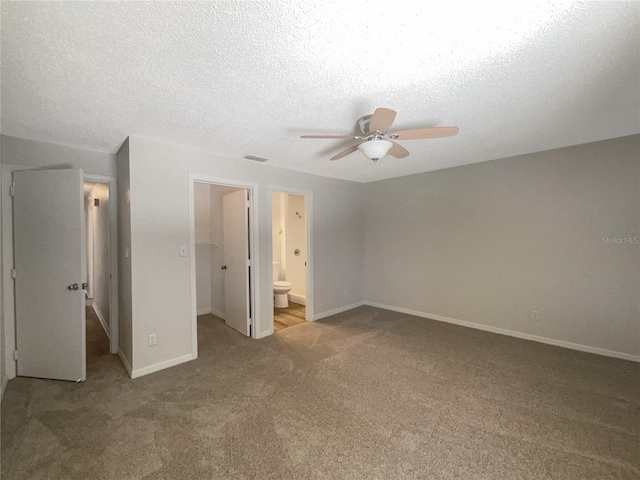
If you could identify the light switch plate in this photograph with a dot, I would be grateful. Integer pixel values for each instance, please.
(183, 250)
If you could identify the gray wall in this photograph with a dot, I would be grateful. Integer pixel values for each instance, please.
(34, 154)
(3, 372)
(491, 242)
(125, 281)
(161, 295)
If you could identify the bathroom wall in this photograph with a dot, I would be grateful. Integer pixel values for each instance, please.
(282, 215)
(277, 233)
(296, 238)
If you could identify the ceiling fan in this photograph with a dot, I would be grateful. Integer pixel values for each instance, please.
(378, 143)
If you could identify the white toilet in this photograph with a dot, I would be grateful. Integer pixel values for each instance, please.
(280, 288)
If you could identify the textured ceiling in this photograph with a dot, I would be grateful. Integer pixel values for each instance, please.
(250, 77)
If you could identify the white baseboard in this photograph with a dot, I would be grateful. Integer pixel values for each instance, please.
(101, 319)
(204, 311)
(512, 333)
(217, 313)
(299, 299)
(139, 372)
(264, 334)
(125, 362)
(3, 386)
(335, 311)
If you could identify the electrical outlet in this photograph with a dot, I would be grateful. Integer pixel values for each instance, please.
(535, 315)
(153, 340)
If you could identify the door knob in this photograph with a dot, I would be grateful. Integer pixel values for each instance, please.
(223, 267)
(73, 287)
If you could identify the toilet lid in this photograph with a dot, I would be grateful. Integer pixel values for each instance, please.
(281, 284)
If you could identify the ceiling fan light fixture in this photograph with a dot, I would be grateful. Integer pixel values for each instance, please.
(375, 149)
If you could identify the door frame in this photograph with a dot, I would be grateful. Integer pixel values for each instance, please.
(7, 293)
(254, 281)
(112, 185)
(308, 205)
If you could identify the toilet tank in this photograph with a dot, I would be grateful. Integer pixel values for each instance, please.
(276, 271)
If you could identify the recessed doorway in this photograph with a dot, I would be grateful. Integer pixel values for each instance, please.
(222, 260)
(291, 258)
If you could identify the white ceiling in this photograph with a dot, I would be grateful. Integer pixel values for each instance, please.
(250, 77)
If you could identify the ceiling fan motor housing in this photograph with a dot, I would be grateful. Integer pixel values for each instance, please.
(364, 123)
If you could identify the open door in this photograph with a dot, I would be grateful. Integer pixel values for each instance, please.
(235, 220)
(49, 274)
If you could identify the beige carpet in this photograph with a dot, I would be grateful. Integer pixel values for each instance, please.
(367, 394)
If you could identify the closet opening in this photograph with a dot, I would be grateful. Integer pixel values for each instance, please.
(222, 263)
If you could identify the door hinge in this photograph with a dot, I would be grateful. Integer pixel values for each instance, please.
(12, 190)
(13, 273)
(15, 354)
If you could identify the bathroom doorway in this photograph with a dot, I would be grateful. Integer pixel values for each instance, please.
(222, 275)
(291, 257)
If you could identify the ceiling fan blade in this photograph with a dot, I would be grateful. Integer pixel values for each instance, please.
(332, 136)
(381, 120)
(344, 153)
(398, 151)
(420, 133)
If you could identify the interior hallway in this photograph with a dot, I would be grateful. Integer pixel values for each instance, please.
(97, 340)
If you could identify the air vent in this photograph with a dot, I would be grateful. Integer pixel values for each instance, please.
(256, 159)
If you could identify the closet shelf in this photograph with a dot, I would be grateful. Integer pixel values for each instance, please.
(206, 245)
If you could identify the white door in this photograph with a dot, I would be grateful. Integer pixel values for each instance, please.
(50, 269)
(235, 221)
